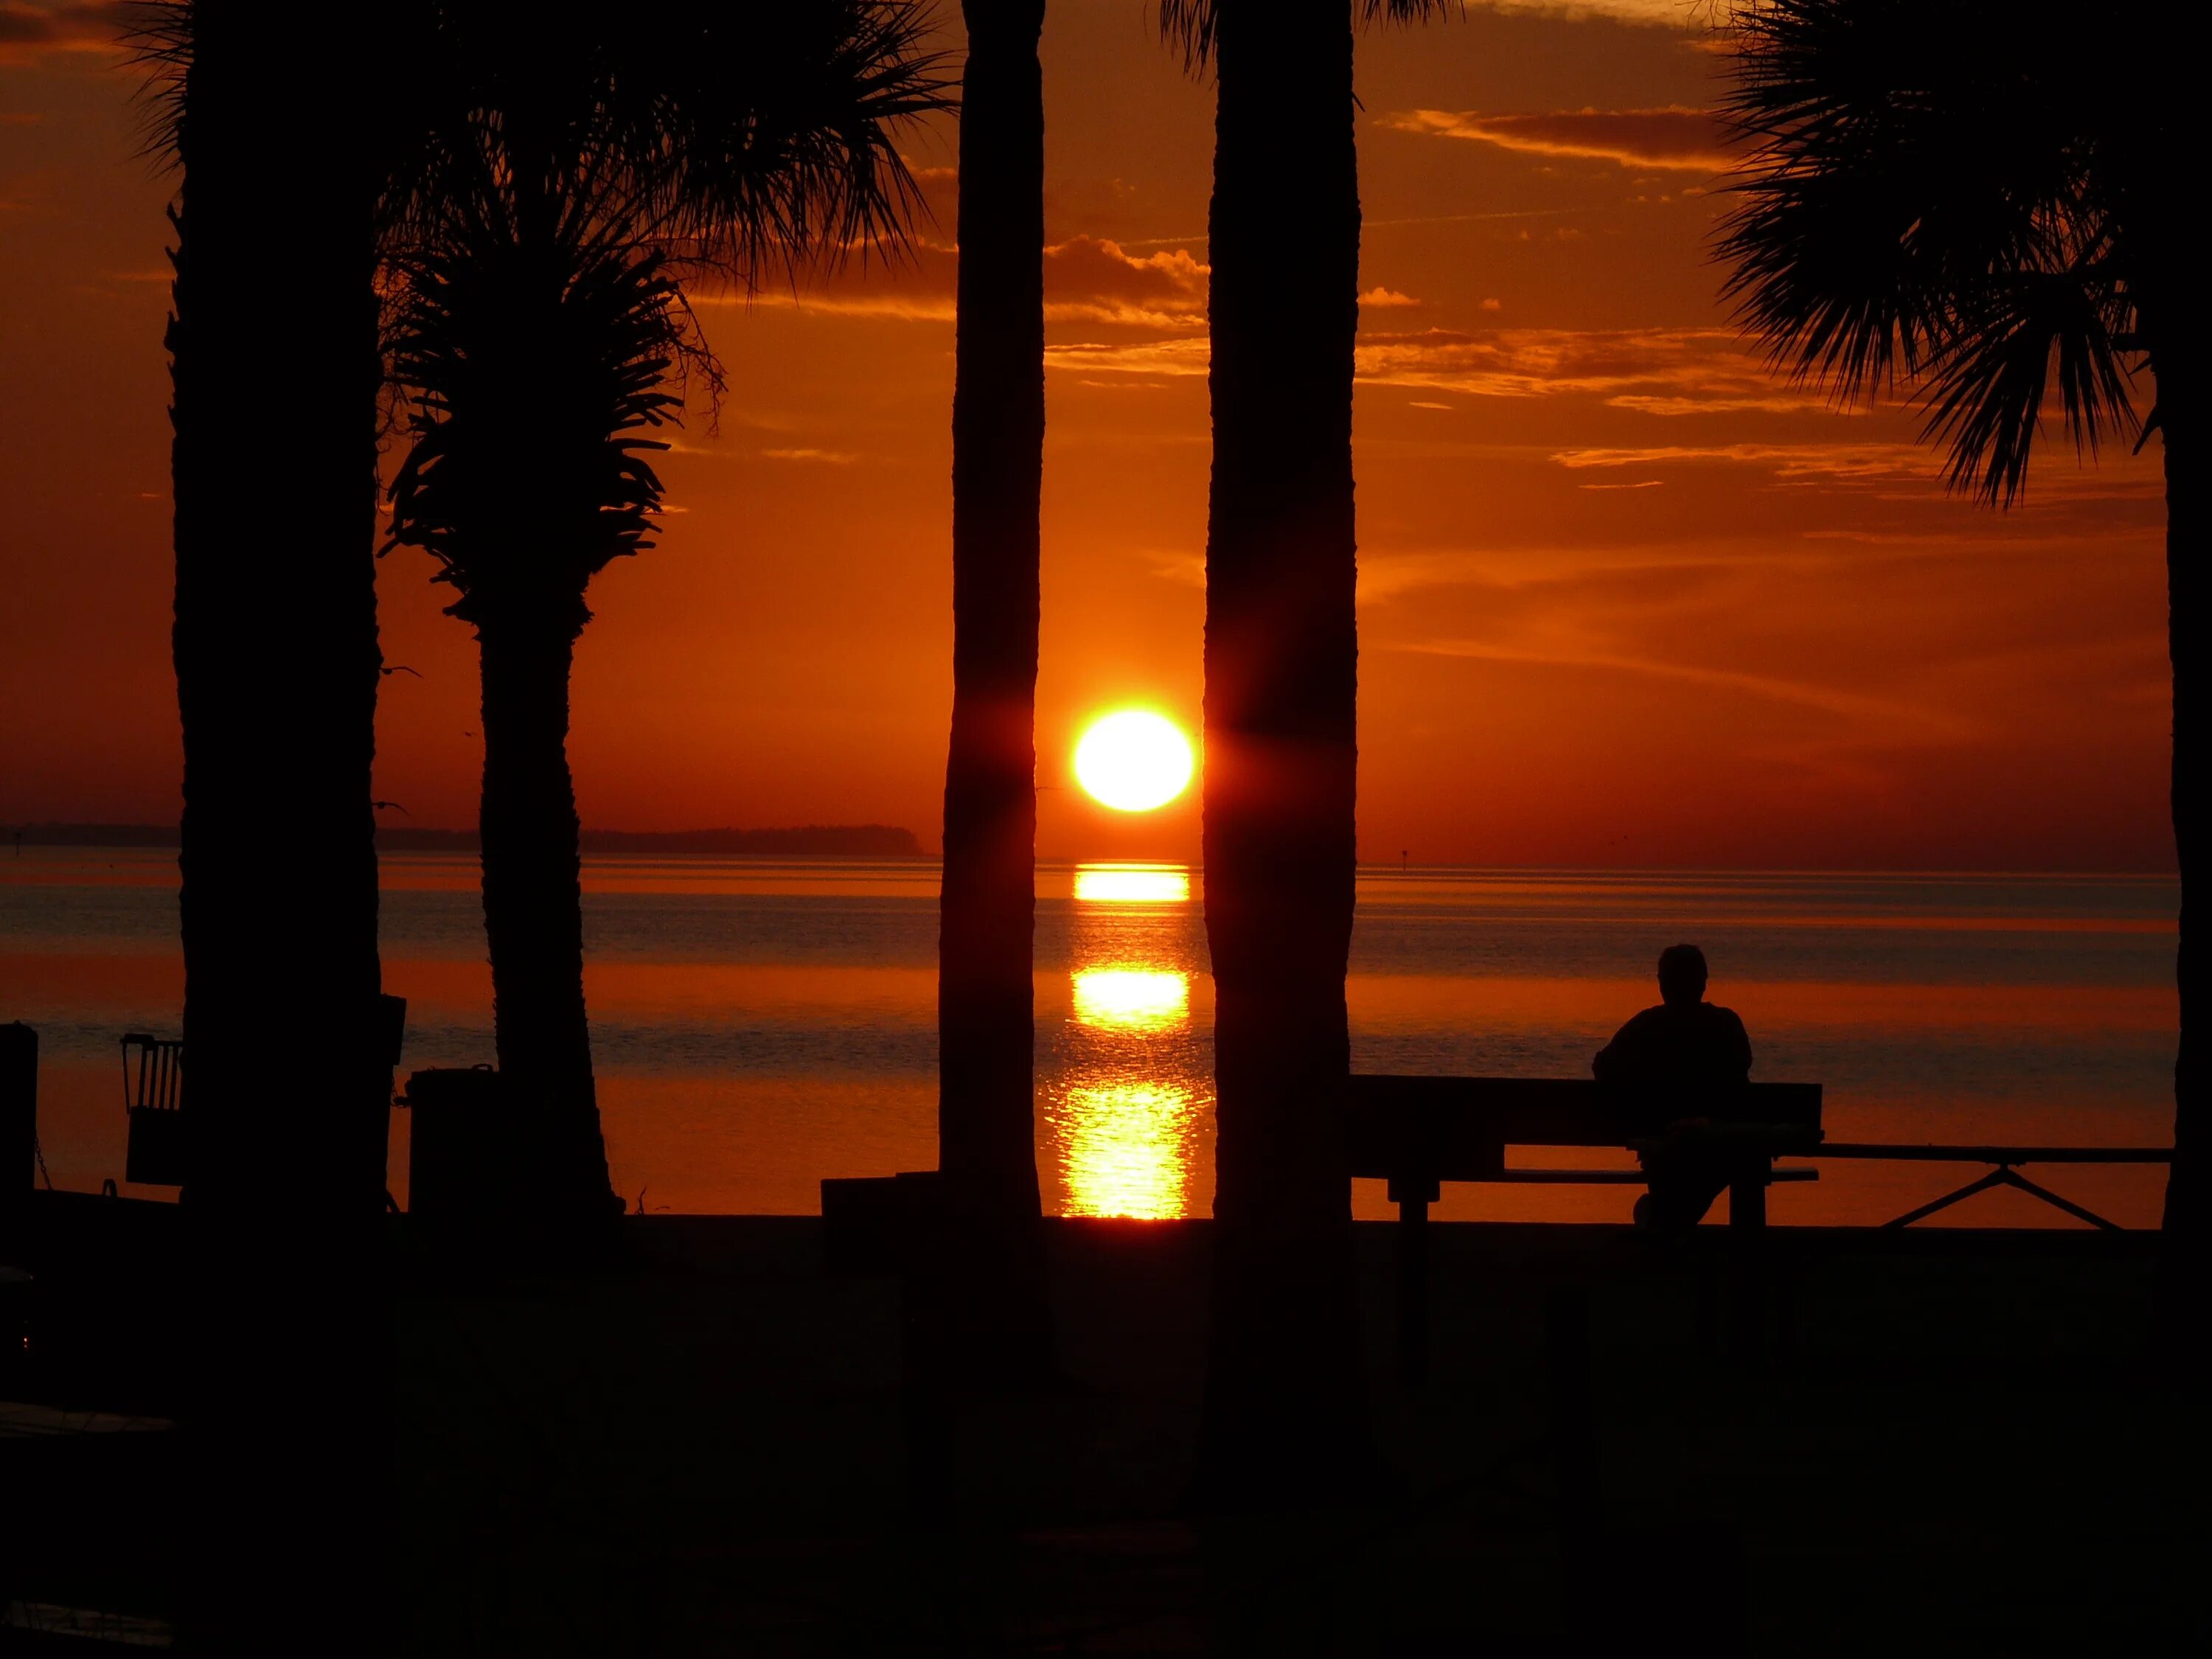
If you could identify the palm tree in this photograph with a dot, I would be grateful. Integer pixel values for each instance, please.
(986, 1018)
(1281, 739)
(272, 337)
(537, 361)
(1966, 196)
(569, 180)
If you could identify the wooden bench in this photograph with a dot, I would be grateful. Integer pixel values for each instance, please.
(1417, 1132)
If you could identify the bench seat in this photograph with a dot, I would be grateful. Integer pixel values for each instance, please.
(1417, 1132)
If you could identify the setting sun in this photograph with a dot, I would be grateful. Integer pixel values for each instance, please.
(1134, 761)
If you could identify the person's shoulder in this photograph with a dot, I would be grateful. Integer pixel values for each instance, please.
(1725, 1017)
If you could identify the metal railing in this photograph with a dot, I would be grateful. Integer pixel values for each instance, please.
(2005, 1172)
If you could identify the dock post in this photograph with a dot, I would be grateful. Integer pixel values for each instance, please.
(19, 1133)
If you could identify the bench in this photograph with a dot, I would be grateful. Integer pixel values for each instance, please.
(1417, 1132)
(2003, 1171)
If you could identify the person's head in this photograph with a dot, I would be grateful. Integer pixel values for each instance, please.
(1682, 976)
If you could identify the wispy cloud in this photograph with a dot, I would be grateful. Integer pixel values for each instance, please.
(1686, 15)
(1654, 371)
(1839, 460)
(1673, 138)
(1087, 279)
(826, 457)
(29, 31)
(1184, 357)
(1898, 717)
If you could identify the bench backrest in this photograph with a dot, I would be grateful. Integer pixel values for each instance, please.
(1457, 1128)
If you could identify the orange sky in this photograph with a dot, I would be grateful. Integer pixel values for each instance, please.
(1625, 601)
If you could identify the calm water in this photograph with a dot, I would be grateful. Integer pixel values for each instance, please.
(760, 1024)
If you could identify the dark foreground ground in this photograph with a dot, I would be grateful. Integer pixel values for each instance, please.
(1948, 1442)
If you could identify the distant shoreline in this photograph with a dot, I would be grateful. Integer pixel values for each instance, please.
(878, 841)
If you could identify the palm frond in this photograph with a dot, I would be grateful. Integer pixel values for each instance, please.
(1986, 390)
(537, 367)
(158, 36)
(779, 139)
(758, 139)
(1919, 206)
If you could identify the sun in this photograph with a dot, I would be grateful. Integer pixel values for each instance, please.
(1133, 760)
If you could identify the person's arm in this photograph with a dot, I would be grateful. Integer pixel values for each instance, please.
(1741, 1039)
(1611, 1057)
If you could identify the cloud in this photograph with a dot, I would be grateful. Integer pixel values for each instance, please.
(1653, 371)
(1846, 460)
(1660, 14)
(1379, 298)
(1660, 371)
(1683, 140)
(1087, 279)
(28, 32)
(1899, 718)
(827, 457)
(1183, 356)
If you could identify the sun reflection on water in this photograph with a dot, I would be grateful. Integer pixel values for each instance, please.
(1127, 1149)
(1132, 999)
(1131, 883)
(1125, 1129)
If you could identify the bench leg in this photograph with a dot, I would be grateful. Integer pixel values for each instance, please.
(1748, 1290)
(1748, 1201)
(1414, 1199)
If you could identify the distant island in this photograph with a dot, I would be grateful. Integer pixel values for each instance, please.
(852, 840)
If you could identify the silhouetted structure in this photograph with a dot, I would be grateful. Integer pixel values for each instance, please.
(538, 350)
(19, 1136)
(277, 660)
(987, 1131)
(876, 841)
(539, 325)
(1418, 1133)
(1967, 194)
(1699, 1054)
(154, 1095)
(1284, 1419)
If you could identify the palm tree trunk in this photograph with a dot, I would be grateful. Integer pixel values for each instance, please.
(275, 643)
(1283, 1419)
(2184, 1218)
(533, 914)
(987, 1135)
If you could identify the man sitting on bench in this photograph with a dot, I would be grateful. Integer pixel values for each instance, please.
(1687, 1047)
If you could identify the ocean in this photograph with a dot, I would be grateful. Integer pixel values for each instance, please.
(760, 1024)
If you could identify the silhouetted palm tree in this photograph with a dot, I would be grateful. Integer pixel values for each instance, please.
(1282, 1414)
(538, 323)
(987, 1132)
(1971, 196)
(273, 339)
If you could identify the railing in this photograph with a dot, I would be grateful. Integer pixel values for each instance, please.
(2005, 1161)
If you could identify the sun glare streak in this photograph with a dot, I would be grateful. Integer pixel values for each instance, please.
(1122, 883)
(1132, 999)
(1124, 1149)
